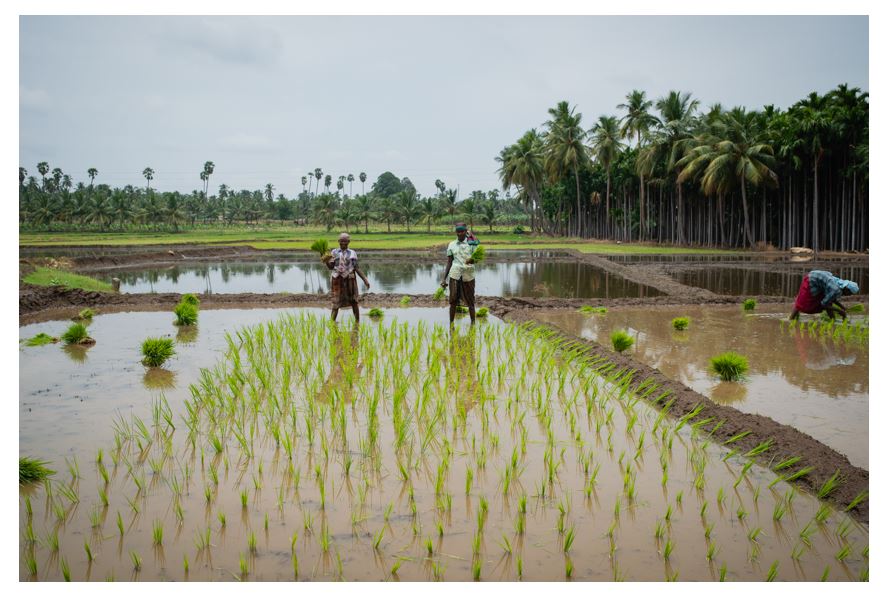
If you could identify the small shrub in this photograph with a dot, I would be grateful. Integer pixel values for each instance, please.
(593, 309)
(156, 351)
(190, 298)
(730, 366)
(405, 300)
(76, 333)
(86, 314)
(680, 323)
(749, 304)
(621, 340)
(40, 339)
(482, 312)
(33, 470)
(375, 313)
(186, 314)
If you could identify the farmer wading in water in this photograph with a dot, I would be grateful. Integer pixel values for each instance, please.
(460, 273)
(343, 263)
(821, 291)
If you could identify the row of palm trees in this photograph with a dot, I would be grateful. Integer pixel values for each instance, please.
(717, 177)
(53, 204)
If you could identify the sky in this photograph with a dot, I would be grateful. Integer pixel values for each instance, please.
(268, 99)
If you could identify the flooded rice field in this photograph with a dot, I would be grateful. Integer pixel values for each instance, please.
(815, 383)
(398, 450)
(747, 281)
(505, 279)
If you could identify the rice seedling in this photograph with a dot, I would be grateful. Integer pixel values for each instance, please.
(729, 366)
(321, 247)
(722, 571)
(482, 312)
(593, 310)
(843, 553)
(31, 562)
(478, 255)
(375, 313)
(569, 568)
(244, 565)
(186, 314)
(251, 542)
(668, 549)
(855, 309)
(156, 351)
(244, 496)
(787, 463)
(120, 528)
(76, 334)
(621, 340)
(190, 298)
(137, 561)
(859, 498)
(33, 470)
(680, 323)
(66, 571)
(86, 314)
(221, 517)
(476, 569)
(749, 304)
(711, 552)
(395, 567)
(40, 339)
(185, 563)
(569, 540)
(773, 572)
(439, 294)
(823, 513)
(832, 483)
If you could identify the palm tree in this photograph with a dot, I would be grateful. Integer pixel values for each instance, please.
(318, 174)
(43, 168)
(340, 183)
(564, 149)
(637, 122)
(364, 209)
(605, 137)
(489, 214)
(351, 179)
(407, 207)
(148, 174)
(449, 202)
(304, 180)
(732, 156)
(208, 171)
(327, 180)
(363, 177)
(522, 166)
(430, 209)
(269, 193)
(92, 173)
(311, 175)
(815, 123)
(469, 209)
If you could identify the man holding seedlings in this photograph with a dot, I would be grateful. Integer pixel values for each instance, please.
(821, 291)
(459, 274)
(343, 263)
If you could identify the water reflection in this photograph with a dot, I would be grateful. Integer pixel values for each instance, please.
(513, 279)
(818, 385)
(743, 281)
(76, 352)
(159, 378)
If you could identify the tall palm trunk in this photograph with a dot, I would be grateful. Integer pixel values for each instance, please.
(680, 224)
(608, 203)
(815, 203)
(746, 217)
(577, 184)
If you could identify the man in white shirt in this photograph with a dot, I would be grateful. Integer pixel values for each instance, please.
(460, 274)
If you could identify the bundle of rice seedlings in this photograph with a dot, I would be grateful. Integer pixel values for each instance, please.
(730, 366)
(439, 294)
(482, 312)
(680, 323)
(77, 333)
(749, 304)
(156, 351)
(190, 298)
(375, 313)
(186, 314)
(621, 340)
(478, 255)
(321, 247)
(33, 470)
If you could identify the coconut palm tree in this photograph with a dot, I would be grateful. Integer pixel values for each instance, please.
(269, 192)
(636, 123)
(489, 214)
(408, 208)
(430, 209)
(606, 140)
(365, 210)
(522, 166)
(564, 149)
(148, 174)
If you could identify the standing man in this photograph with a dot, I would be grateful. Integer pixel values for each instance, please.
(459, 274)
(821, 291)
(343, 263)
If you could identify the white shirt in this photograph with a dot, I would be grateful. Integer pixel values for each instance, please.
(461, 251)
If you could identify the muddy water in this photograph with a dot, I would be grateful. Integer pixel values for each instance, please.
(402, 452)
(513, 279)
(815, 384)
(744, 281)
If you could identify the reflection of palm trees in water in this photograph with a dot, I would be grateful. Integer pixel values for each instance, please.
(462, 369)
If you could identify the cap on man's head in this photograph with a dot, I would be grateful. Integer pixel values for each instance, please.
(344, 236)
(460, 227)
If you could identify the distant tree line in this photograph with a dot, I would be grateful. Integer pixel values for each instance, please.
(52, 202)
(667, 171)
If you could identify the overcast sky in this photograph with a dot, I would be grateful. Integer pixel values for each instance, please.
(268, 99)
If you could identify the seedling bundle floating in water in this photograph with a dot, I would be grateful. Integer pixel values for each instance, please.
(412, 450)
